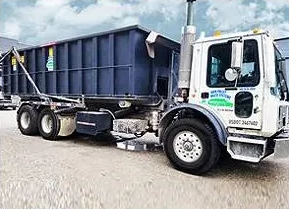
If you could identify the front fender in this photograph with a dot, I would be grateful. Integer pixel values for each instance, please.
(203, 113)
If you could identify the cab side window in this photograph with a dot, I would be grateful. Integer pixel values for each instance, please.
(219, 60)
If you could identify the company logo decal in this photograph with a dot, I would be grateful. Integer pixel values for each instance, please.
(50, 60)
(219, 98)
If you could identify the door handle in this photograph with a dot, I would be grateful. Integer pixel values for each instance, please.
(256, 110)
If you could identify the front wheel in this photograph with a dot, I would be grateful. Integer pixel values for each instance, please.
(48, 124)
(191, 146)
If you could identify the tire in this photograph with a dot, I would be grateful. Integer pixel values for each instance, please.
(48, 124)
(27, 120)
(191, 146)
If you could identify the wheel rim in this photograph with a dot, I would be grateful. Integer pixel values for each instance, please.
(188, 146)
(46, 124)
(25, 120)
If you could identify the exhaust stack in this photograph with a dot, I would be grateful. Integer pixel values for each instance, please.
(188, 38)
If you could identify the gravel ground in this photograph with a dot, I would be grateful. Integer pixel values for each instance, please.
(84, 173)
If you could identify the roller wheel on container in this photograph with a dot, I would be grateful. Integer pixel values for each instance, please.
(27, 120)
(191, 146)
(48, 124)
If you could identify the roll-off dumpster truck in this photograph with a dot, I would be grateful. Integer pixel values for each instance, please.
(201, 97)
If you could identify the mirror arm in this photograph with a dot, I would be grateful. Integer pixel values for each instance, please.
(241, 39)
(237, 79)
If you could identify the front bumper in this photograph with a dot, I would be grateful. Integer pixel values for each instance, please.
(254, 150)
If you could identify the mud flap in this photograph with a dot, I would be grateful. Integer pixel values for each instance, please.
(281, 148)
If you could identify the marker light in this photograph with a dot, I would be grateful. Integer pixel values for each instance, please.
(256, 30)
(217, 33)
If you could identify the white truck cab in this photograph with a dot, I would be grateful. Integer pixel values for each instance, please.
(236, 94)
(255, 94)
(252, 104)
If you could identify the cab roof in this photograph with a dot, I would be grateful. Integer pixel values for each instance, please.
(232, 35)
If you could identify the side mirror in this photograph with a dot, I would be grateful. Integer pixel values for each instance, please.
(237, 55)
(231, 74)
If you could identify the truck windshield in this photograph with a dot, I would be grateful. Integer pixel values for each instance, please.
(281, 88)
(219, 60)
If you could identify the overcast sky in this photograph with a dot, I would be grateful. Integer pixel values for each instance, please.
(41, 21)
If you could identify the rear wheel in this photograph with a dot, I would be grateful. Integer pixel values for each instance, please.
(48, 124)
(191, 146)
(27, 120)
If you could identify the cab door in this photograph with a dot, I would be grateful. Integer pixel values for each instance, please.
(238, 102)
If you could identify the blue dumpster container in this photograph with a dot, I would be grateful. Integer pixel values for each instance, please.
(109, 64)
